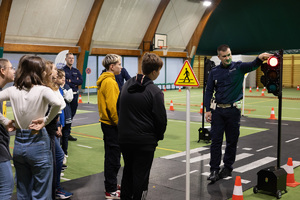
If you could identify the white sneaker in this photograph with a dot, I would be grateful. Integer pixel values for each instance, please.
(113, 195)
(65, 159)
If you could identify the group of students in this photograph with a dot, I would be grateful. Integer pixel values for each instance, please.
(133, 120)
(40, 101)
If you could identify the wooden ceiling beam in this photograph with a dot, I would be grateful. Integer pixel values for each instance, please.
(153, 25)
(87, 33)
(195, 39)
(121, 52)
(30, 48)
(171, 54)
(4, 14)
(147, 40)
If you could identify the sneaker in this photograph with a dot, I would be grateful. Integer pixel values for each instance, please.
(64, 166)
(113, 195)
(65, 159)
(118, 188)
(71, 138)
(61, 194)
(224, 173)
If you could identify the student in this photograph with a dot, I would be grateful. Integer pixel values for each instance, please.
(142, 123)
(121, 77)
(32, 156)
(68, 97)
(107, 94)
(55, 132)
(7, 74)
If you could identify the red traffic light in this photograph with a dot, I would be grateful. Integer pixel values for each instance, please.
(273, 61)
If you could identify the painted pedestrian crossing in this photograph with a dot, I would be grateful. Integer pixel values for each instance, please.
(257, 163)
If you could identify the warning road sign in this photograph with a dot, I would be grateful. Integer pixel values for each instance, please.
(186, 77)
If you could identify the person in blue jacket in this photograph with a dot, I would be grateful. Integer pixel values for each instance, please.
(226, 80)
(73, 79)
(121, 77)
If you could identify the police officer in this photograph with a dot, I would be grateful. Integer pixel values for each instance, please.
(73, 79)
(226, 80)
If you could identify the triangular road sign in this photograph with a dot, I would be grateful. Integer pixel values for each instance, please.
(186, 77)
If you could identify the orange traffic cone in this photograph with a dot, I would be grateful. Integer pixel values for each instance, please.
(179, 89)
(262, 93)
(272, 116)
(264, 89)
(298, 87)
(250, 89)
(237, 190)
(290, 179)
(171, 106)
(80, 100)
(165, 89)
(201, 108)
(257, 89)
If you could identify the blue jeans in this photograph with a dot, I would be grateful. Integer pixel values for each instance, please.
(224, 120)
(59, 156)
(6, 180)
(33, 163)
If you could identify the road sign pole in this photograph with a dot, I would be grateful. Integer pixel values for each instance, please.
(88, 80)
(187, 190)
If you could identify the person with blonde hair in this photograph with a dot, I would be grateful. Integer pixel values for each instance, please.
(7, 74)
(31, 156)
(107, 94)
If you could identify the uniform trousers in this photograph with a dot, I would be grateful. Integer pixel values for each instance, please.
(224, 120)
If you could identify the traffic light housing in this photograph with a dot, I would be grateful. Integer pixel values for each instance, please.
(272, 78)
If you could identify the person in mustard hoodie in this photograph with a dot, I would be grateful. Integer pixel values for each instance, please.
(107, 94)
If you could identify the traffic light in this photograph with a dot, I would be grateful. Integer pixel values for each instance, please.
(272, 74)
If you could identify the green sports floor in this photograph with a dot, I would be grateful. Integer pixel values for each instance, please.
(86, 155)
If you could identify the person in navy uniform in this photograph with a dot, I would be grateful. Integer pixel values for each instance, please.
(226, 80)
(121, 77)
(73, 79)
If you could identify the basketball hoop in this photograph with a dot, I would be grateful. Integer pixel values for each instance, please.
(165, 49)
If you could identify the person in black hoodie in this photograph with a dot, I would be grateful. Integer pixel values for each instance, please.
(142, 123)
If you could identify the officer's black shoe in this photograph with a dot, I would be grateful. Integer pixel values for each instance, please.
(71, 138)
(225, 172)
(214, 176)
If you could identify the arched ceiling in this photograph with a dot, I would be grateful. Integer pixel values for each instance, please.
(246, 26)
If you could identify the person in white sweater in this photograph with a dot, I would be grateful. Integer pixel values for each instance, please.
(31, 156)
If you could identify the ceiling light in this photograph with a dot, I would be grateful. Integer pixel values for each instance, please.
(207, 3)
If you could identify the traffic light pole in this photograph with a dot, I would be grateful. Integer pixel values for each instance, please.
(279, 109)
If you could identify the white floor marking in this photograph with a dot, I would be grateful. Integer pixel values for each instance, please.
(275, 123)
(176, 155)
(291, 140)
(238, 157)
(200, 158)
(80, 119)
(84, 146)
(170, 179)
(254, 164)
(264, 148)
(247, 149)
(243, 180)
